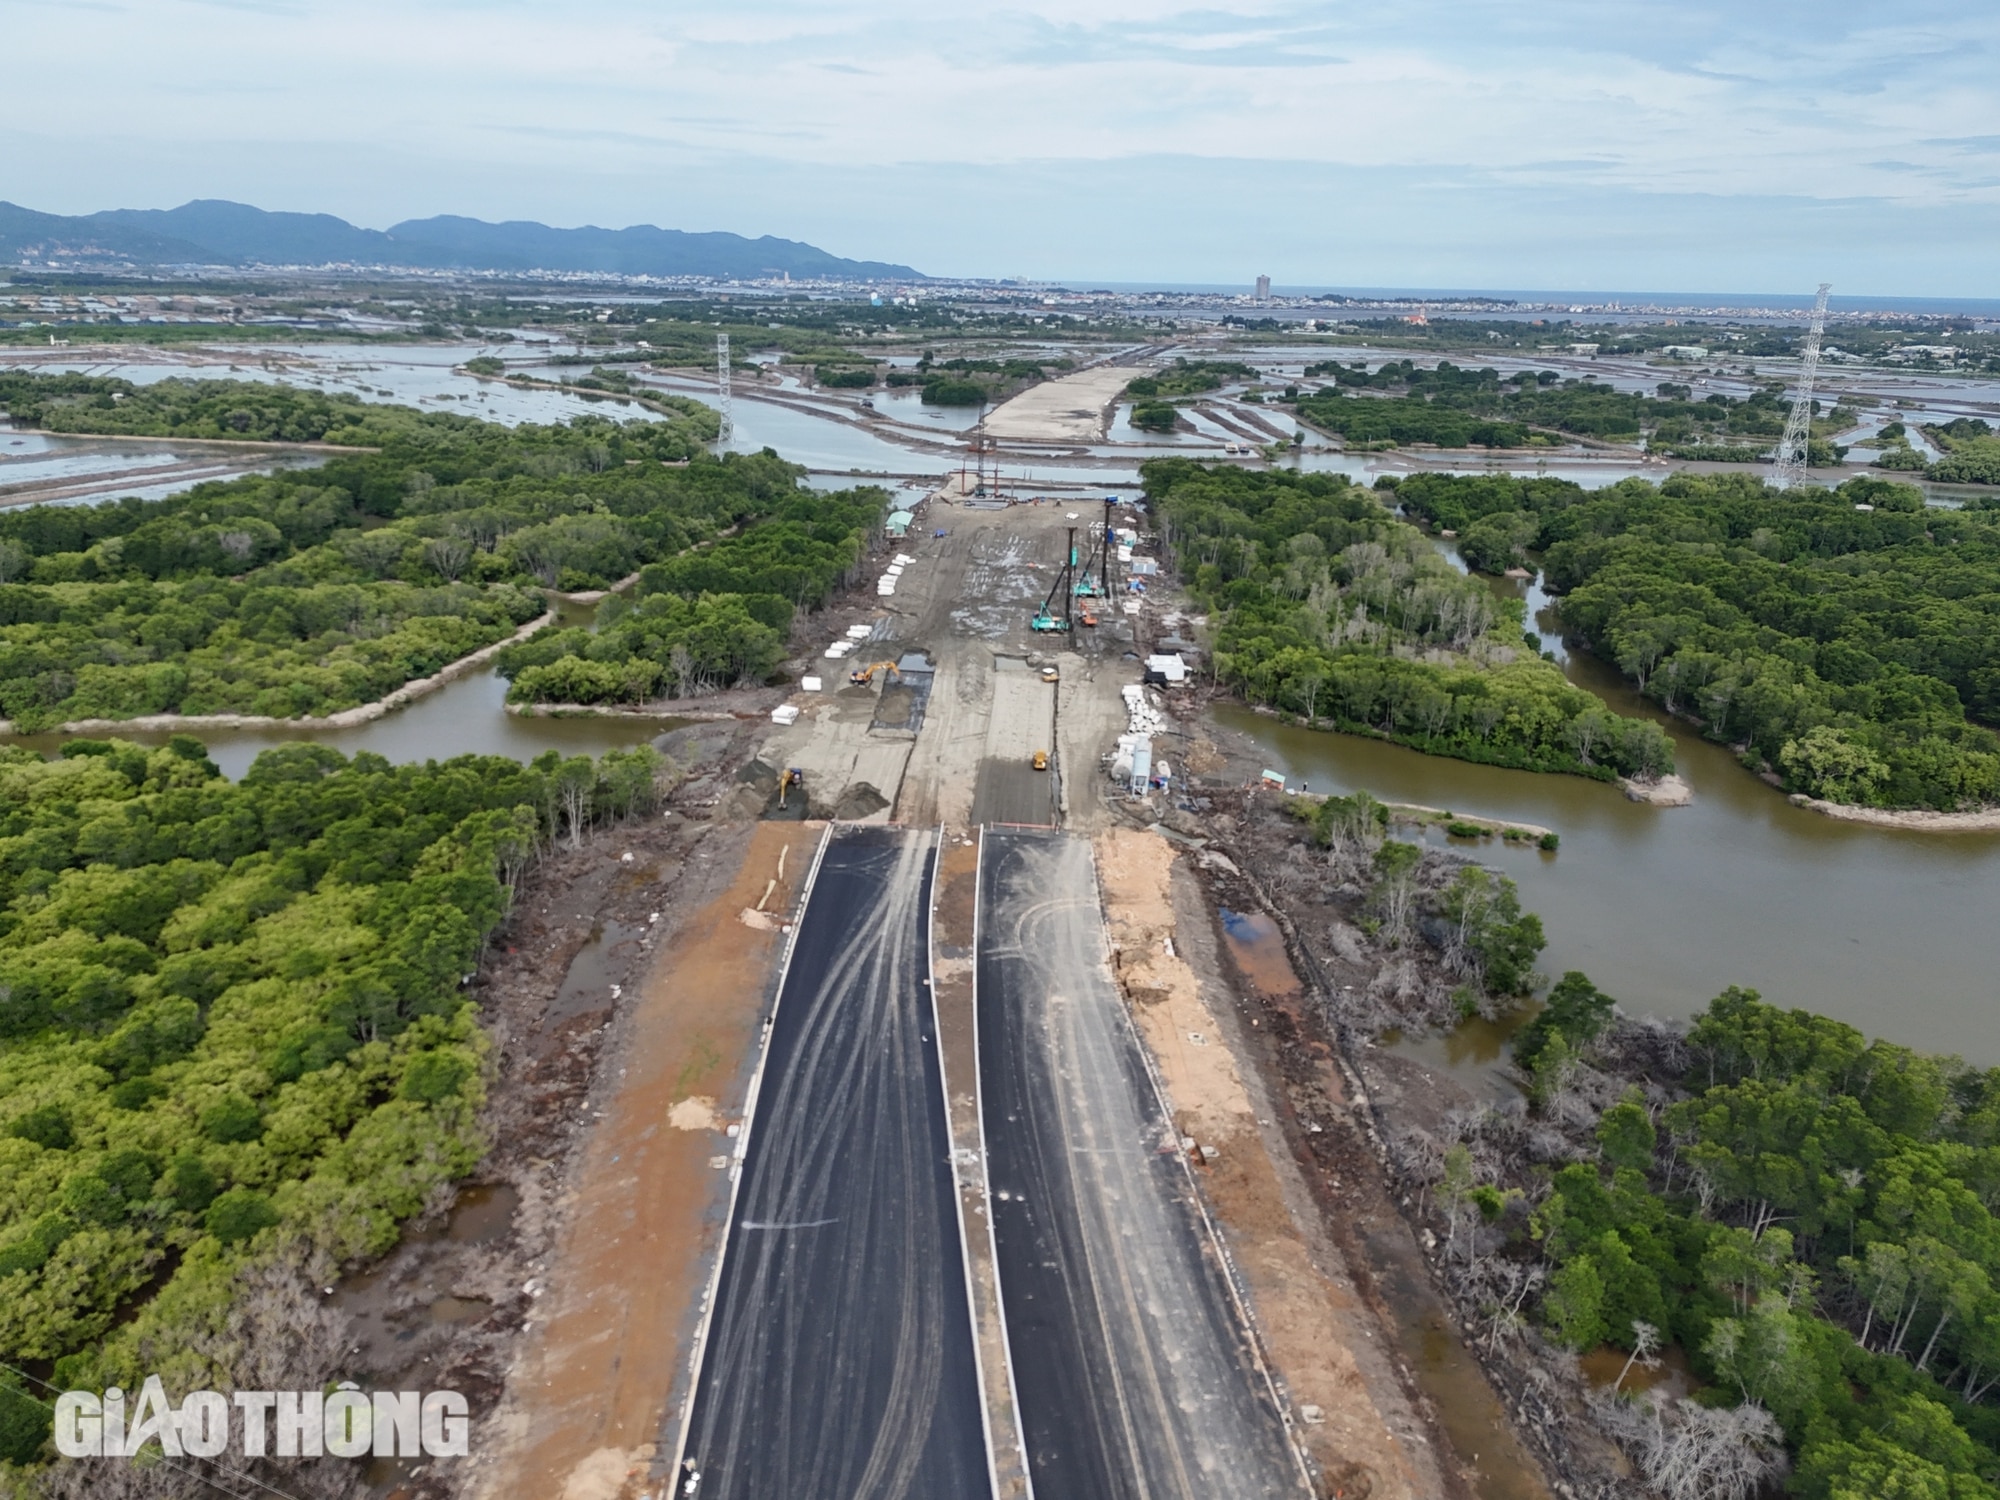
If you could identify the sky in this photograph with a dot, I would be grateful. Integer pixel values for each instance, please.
(1614, 145)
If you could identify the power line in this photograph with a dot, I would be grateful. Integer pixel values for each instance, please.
(1788, 464)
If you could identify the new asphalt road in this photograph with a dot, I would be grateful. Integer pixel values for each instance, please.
(1135, 1377)
(839, 1362)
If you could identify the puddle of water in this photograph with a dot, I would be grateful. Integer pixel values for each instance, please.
(484, 1214)
(389, 1308)
(459, 1309)
(587, 984)
(1670, 1373)
(1473, 1417)
(1259, 950)
(1473, 1053)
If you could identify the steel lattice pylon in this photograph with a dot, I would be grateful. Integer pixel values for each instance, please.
(722, 390)
(1788, 464)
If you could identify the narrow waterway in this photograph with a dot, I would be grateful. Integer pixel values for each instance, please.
(1664, 908)
(466, 717)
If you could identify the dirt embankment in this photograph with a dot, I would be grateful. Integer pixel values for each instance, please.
(1069, 409)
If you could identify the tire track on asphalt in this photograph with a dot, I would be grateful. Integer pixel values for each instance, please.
(1136, 1379)
(839, 1362)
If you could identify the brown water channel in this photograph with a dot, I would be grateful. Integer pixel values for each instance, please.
(1890, 930)
(467, 716)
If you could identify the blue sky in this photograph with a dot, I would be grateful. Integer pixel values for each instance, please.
(1577, 144)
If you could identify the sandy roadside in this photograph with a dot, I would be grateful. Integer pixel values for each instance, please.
(1312, 1325)
(1071, 409)
(595, 1389)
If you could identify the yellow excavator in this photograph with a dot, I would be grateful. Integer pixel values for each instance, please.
(793, 777)
(862, 676)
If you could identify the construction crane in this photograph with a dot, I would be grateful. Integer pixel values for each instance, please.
(1096, 580)
(1788, 464)
(1063, 588)
(728, 429)
(862, 676)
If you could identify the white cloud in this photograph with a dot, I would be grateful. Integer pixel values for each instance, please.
(745, 117)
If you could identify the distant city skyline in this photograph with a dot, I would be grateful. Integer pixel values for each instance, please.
(1440, 142)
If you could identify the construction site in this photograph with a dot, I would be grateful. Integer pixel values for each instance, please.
(959, 1181)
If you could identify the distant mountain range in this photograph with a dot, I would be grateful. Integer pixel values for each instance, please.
(210, 231)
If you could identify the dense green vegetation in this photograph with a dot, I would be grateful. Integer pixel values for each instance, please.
(1971, 452)
(207, 645)
(1153, 396)
(1855, 652)
(964, 381)
(710, 617)
(308, 591)
(240, 409)
(1474, 917)
(852, 378)
(1454, 407)
(1187, 378)
(1327, 606)
(232, 1025)
(1809, 1217)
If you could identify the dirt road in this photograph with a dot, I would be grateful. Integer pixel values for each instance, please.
(964, 606)
(1071, 409)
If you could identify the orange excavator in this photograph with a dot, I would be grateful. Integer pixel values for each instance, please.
(862, 676)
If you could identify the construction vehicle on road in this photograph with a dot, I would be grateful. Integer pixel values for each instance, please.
(1041, 760)
(1050, 674)
(862, 676)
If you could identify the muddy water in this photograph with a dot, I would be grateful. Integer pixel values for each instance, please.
(466, 717)
(392, 1305)
(1259, 950)
(586, 985)
(1884, 928)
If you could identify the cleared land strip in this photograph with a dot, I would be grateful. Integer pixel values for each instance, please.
(1071, 408)
(1135, 1374)
(838, 1360)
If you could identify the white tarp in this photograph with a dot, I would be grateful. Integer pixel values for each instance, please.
(1170, 667)
(785, 713)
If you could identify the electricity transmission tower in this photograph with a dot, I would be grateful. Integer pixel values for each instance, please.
(722, 387)
(1788, 464)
